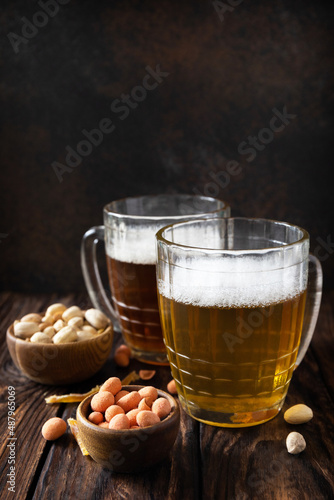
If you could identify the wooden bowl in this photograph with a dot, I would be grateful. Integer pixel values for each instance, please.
(60, 364)
(130, 450)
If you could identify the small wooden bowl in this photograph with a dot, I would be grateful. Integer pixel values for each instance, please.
(129, 450)
(60, 364)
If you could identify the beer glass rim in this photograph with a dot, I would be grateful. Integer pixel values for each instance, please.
(109, 210)
(304, 236)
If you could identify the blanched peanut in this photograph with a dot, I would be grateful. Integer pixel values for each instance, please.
(150, 394)
(161, 407)
(59, 324)
(44, 325)
(55, 308)
(132, 414)
(53, 428)
(33, 317)
(121, 359)
(96, 318)
(171, 387)
(26, 329)
(113, 385)
(40, 338)
(49, 331)
(130, 401)
(119, 422)
(95, 417)
(111, 411)
(90, 329)
(143, 405)
(72, 312)
(104, 425)
(147, 418)
(66, 334)
(84, 335)
(101, 401)
(48, 319)
(76, 322)
(120, 394)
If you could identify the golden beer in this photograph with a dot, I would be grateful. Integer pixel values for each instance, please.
(232, 361)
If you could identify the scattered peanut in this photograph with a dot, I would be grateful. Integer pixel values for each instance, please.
(58, 318)
(125, 349)
(146, 374)
(298, 414)
(54, 428)
(171, 387)
(121, 359)
(295, 443)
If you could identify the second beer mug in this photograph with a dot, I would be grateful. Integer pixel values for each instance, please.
(129, 231)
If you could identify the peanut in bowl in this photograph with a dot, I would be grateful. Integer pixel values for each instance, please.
(57, 363)
(129, 450)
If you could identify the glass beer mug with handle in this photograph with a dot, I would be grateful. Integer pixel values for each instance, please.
(232, 295)
(129, 231)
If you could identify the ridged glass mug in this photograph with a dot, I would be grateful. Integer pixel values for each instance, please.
(129, 231)
(232, 295)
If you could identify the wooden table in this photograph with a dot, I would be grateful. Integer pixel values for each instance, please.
(205, 463)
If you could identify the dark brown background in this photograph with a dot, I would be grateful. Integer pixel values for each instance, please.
(225, 78)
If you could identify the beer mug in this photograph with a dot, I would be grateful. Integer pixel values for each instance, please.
(232, 294)
(129, 231)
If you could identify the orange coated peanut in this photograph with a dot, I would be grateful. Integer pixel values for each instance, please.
(101, 401)
(113, 385)
(120, 421)
(95, 417)
(120, 394)
(143, 405)
(111, 411)
(150, 394)
(54, 428)
(171, 387)
(104, 425)
(147, 418)
(132, 414)
(161, 407)
(130, 401)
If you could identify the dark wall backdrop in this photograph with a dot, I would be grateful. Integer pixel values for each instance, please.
(226, 66)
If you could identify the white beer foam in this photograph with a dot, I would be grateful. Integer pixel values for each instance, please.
(228, 283)
(134, 246)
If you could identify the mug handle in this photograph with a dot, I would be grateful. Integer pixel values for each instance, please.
(91, 273)
(312, 306)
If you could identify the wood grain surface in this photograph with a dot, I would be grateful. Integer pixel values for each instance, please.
(205, 463)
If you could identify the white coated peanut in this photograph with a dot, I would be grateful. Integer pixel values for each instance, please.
(96, 318)
(41, 338)
(295, 443)
(26, 329)
(66, 334)
(72, 312)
